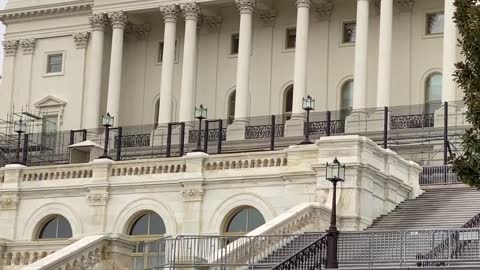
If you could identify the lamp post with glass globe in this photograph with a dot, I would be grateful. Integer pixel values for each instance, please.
(308, 104)
(20, 128)
(107, 122)
(335, 172)
(200, 113)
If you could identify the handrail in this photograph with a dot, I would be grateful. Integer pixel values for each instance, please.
(312, 256)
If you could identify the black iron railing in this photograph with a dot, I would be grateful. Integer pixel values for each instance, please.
(212, 135)
(264, 131)
(137, 140)
(438, 175)
(412, 121)
(321, 127)
(313, 256)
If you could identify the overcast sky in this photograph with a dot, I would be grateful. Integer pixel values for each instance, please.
(2, 31)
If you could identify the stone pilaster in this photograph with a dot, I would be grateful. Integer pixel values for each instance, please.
(81, 39)
(28, 45)
(10, 47)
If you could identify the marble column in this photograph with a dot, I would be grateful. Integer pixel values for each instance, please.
(191, 12)
(168, 60)
(301, 56)
(449, 53)
(384, 80)
(93, 93)
(361, 56)
(119, 21)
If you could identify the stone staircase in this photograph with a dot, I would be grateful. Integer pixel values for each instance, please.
(440, 208)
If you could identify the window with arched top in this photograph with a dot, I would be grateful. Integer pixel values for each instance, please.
(244, 220)
(346, 99)
(288, 102)
(56, 227)
(231, 106)
(433, 92)
(148, 223)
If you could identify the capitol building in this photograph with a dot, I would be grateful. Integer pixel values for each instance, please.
(149, 134)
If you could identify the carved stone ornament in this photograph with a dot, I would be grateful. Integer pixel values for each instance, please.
(141, 30)
(81, 39)
(28, 45)
(213, 23)
(405, 5)
(303, 3)
(245, 6)
(192, 194)
(268, 17)
(118, 19)
(98, 21)
(169, 13)
(191, 11)
(8, 203)
(97, 198)
(324, 10)
(10, 47)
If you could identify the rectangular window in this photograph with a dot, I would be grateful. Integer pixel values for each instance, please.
(55, 63)
(234, 43)
(434, 23)
(291, 38)
(349, 32)
(160, 52)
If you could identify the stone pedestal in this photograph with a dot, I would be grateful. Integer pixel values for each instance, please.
(456, 116)
(356, 122)
(236, 131)
(376, 121)
(294, 127)
(158, 136)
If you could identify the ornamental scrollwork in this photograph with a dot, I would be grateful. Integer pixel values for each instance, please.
(212, 22)
(141, 31)
(412, 121)
(245, 6)
(324, 10)
(268, 17)
(8, 203)
(264, 131)
(321, 127)
(28, 45)
(118, 19)
(98, 197)
(192, 194)
(98, 21)
(212, 135)
(10, 47)
(169, 13)
(405, 5)
(137, 140)
(191, 11)
(81, 39)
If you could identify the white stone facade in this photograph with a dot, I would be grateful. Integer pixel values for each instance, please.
(110, 52)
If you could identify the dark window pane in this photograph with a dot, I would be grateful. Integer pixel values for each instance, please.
(255, 219)
(64, 229)
(235, 41)
(54, 63)
(231, 107)
(156, 224)
(435, 23)
(160, 52)
(291, 38)
(349, 32)
(49, 230)
(239, 222)
(140, 226)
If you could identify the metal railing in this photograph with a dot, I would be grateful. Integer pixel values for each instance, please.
(438, 175)
(312, 256)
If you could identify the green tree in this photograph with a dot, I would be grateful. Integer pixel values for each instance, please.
(467, 76)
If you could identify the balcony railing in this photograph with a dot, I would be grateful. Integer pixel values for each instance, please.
(438, 175)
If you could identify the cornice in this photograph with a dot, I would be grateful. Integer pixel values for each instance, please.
(19, 14)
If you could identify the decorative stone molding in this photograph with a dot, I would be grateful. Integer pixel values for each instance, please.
(141, 31)
(268, 17)
(192, 194)
(118, 19)
(245, 6)
(97, 198)
(10, 47)
(9, 203)
(213, 23)
(405, 5)
(324, 10)
(191, 11)
(169, 13)
(52, 10)
(376, 6)
(28, 45)
(303, 3)
(81, 39)
(98, 21)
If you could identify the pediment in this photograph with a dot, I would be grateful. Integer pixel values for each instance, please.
(50, 101)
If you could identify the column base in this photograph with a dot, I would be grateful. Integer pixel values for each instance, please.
(294, 127)
(236, 131)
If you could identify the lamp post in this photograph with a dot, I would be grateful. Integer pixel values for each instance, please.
(308, 105)
(107, 122)
(20, 128)
(335, 173)
(200, 113)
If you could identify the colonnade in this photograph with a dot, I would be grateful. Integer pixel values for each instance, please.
(191, 12)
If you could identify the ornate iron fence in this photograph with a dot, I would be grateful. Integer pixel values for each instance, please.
(412, 121)
(321, 127)
(212, 135)
(312, 256)
(137, 140)
(264, 131)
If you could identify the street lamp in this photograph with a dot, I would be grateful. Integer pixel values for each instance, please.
(20, 128)
(335, 173)
(200, 113)
(308, 104)
(107, 122)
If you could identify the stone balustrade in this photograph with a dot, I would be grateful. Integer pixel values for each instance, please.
(146, 167)
(245, 161)
(57, 172)
(16, 255)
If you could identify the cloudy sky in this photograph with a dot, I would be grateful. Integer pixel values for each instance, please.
(2, 31)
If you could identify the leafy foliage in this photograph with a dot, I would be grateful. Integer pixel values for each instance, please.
(467, 76)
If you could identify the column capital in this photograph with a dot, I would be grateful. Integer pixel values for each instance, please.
(303, 3)
(405, 5)
(245, 6)
(10, 47)
(98, 21)
(268, 17)
(81, 39)
(324, 10)
(169, 13)
(213, 22)
(191, 11)
(118, 19)
(141, 30)
(28, 45)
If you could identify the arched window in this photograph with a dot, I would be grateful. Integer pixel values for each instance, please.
(244, 220)
(346, 99)
(433, 92)
(149, 223)
(231, 106)
(155, 113)
(288, 102)
(55, 227)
